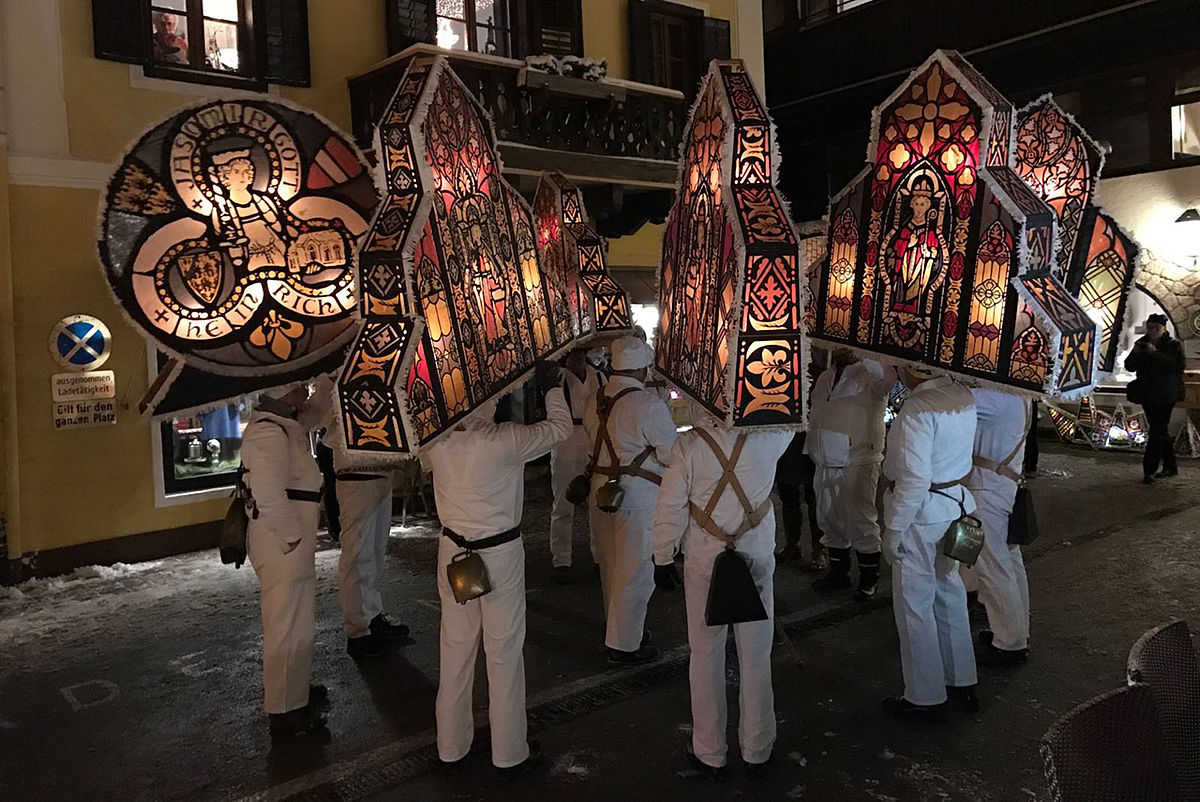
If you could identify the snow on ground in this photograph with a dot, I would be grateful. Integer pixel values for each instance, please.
(93, 599)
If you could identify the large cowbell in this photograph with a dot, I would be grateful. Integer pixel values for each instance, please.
(939, 253)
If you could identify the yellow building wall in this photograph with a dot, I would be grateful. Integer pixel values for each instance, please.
(82, 485)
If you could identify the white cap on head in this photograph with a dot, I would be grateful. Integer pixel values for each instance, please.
(595, 353)
(631, 353)
(922, 371)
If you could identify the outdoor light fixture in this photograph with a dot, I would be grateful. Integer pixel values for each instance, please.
(228, 237)
(938, 252)
(730, 328)
(454, 304)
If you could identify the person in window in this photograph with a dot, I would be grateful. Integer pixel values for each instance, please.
(1157, 359)
(169, 47)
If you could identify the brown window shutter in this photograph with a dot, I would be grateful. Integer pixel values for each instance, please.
(556, 27)
(641, 43)
(121, 30)
(715, 41)
(281, 31)
(409, 22)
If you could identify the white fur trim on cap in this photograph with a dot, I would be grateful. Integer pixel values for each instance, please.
(630, 353)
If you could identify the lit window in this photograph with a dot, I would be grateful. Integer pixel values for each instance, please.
(478, 25)
(197, 34)
(1185, 130)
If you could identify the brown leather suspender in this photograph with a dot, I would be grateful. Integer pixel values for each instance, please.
(604, 407)
(752, 516)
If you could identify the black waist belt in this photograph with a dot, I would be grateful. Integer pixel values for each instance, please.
(482, 543)
(360, 477)
(304, 495)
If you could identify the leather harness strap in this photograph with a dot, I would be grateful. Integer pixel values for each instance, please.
(752, 516)
(567, 395)
(604, 407)
(1001, 467)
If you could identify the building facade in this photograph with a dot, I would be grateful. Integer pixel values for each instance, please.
(82, 79)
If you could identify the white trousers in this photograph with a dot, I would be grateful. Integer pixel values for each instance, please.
(287, 595)
(846, 509)
(1003, 583)
(624, 549)
(566, 462)
(706, 668)
(930, 605)
(498, 618)
(366, 517)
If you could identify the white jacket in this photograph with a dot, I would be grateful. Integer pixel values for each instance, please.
(930, 442)
(578, 393)
(277, 456)
(692, 475)
(1002, 420)
(479, 472)
(638, 420)
(846, 420)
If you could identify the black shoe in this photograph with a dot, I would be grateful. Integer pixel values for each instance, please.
(903, 709)
(1147, 479)
(789, 553)
(647, 637)
(757, 769)
(382, 627)
(318, 697)
(866, 593)
(834, 580)
(534, 759)
(562, 574)
(369, 647)
(645, 654)
(963, 698)
(988, 654)
(714, 773)
(1166, 474)
(296, 722)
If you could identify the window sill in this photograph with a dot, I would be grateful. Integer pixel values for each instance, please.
(138, 79)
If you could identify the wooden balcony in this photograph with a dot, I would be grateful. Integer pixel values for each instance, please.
(596, 132)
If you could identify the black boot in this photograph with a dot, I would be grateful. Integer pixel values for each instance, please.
(838, 577)
(868, 575)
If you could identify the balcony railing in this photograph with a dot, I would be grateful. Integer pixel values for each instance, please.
(600, 118)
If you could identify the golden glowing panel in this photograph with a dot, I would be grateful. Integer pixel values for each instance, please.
(926, 244)
(729, 244)
(487, 308)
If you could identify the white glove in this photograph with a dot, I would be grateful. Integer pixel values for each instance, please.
(891, 545)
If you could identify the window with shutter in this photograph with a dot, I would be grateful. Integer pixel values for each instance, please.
(484, 26)
(671, 44)
(237, 43)
(556, 27)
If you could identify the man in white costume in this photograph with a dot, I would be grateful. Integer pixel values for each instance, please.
(365, 502)
(479, 487)
(569, 458)
(1002, 421)
(845, 441)
(693, 476)
(285, 493)
(632, 433)
(928, 459)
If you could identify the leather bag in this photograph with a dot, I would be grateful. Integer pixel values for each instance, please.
(1022, 523)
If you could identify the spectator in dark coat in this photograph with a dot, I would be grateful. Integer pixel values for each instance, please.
(794, 480)
(1157, 359)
